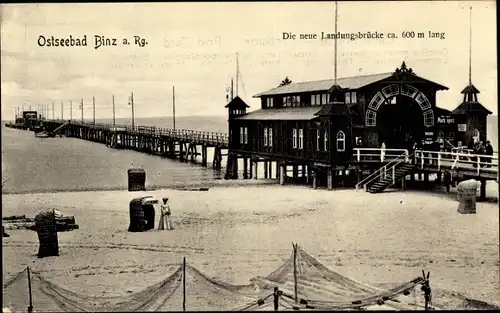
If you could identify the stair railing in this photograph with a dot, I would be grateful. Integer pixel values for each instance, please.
(382, 171)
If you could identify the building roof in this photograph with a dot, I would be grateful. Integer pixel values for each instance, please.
(470, 107)
(325, 85)
(237, 103)
(470, 89)
(279, 114)
(441, 111)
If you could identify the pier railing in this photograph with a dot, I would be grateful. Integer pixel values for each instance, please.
(378, 154)
(477, 163)
(211, 138)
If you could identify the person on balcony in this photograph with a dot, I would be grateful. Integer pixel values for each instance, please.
(488, 149)
(382, 151)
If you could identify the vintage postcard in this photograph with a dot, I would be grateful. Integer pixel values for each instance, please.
(221, 156)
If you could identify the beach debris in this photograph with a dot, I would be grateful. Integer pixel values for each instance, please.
(4, 234)
(63, 223)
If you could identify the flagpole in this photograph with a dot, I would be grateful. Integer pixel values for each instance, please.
(335, 42)
(173, 105)
(62, 111)
(132, 104)
(53, 111)
(114, 117)
(71, 110)
(82, 110)
(93, 108)
(237, 72)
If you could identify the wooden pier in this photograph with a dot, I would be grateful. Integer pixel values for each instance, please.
(182, 144)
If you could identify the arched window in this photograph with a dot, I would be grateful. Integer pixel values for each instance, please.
(340, 141)
(326, 141)
(475, 135)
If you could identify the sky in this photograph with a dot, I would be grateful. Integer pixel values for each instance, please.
(194, 45)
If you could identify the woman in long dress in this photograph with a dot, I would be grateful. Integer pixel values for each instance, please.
(165, 216)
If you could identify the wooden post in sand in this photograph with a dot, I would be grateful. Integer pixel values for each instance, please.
(295, 272)
(30, 307)
(184, 285)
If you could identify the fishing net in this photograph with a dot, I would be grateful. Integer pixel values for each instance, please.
(202, 293)
(317, 288)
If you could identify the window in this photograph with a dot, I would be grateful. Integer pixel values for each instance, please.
(265, 137)
(270, 134)
(318, 99)
(325, 142)
(313, 100)
(318, 137)
(291, 101)
(301, 138)
(347, 97)
(241, 135)
(371, 118)
(245, 135)
(294, 138)
(353, 97)
(324, 99)
(270, 102)
(340, 141)
(428, 118)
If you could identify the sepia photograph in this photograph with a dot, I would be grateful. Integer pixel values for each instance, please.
(241, 156)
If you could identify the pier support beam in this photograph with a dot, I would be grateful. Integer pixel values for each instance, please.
(270, 165)
(266, 168)
(314, 179)
(256, 169)
(329, 177)
(245, 168)
(282, 172)
(482, 190)
(403, 183)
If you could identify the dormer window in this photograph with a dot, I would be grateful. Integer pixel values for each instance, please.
(351, 97)
(270, 103)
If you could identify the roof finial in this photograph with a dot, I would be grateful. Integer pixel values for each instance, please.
(470, 45)
(335, 43)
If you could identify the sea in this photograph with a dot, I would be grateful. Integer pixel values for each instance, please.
(35, 165)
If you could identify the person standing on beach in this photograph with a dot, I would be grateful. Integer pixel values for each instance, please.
(165, 216)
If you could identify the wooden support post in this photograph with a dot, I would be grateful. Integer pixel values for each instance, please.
(256, 169)
(181, 150)
(426, 178)
(482, 190)
(304, 173)
(184, 285)
(265, 169)
(204, 155)
(403, 183)
(278, 169)
(438, 178)
(315, 178)
(282, 174)
(270, 165)
(329, 179)
(30, 307)
(295, 172)
(245, 168)
(250, 171)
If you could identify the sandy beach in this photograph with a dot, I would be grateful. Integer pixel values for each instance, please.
(239, 232)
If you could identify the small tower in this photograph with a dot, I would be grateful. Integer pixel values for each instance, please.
(470, 115)
(236, 107)
(339, 120)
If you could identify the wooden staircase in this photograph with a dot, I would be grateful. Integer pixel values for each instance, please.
(395, 174)
(387, 175)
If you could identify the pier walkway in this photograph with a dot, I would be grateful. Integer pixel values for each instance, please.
(182, 144)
